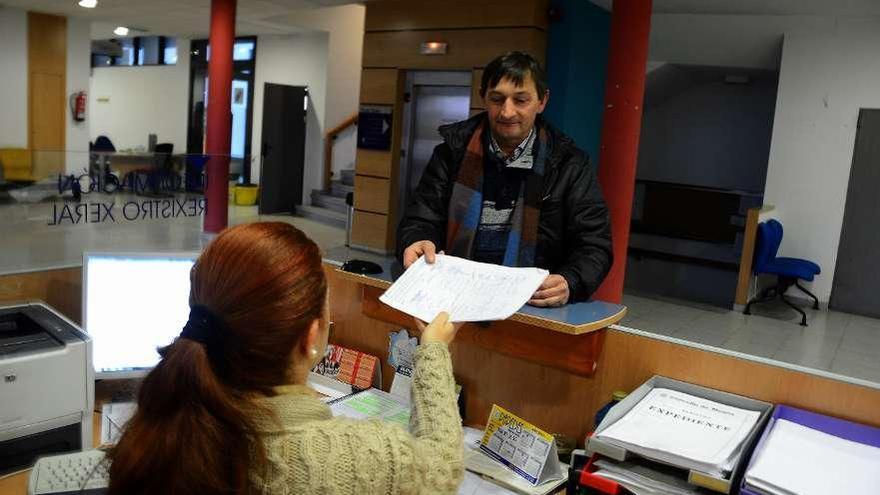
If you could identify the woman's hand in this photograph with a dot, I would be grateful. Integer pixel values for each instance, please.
(439, 330)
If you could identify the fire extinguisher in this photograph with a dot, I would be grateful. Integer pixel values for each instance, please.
(78, 106)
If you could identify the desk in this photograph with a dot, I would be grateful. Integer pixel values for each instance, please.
(16, 484)
(532, 384)
(567, 338)
(125, 162)
(573, 319)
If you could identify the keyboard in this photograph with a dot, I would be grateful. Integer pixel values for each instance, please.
(79, 472)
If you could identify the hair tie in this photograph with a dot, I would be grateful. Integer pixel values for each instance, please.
(204, 326)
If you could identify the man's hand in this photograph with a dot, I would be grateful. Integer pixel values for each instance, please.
(553, 292)
(417, 249)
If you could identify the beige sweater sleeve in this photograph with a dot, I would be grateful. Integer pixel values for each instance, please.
(346, 456)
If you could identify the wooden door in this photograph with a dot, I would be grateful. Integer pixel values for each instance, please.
(47, 124)
(47, 71)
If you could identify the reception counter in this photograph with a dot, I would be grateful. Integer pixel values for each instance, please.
(557, 367)
(553, 367)
(566, 338)
(573, 319)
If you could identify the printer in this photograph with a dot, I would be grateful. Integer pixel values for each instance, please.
(47, 385)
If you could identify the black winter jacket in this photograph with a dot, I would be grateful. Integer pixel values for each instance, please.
(574, 234)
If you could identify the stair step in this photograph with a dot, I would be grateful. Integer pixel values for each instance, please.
(324, 200)
(347, 177)
(339, 189)
(322, 215)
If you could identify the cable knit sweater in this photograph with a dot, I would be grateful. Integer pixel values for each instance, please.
(310, 452)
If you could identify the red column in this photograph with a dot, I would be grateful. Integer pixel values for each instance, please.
(219, 122)
(621, 124)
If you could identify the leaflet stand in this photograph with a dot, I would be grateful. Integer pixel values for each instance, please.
(847, 430)
(711, 481)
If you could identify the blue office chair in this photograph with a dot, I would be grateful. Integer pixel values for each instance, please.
(788, 271)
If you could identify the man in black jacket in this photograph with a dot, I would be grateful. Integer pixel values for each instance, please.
(507, 187)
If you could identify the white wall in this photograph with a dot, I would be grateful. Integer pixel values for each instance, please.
(13, 78)
(78, 70)
(825, 78)
(142, 100)
(748, 41)
(829, 69)
(345, 27)
(294, 60)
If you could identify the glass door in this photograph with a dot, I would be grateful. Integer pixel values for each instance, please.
(241, 99)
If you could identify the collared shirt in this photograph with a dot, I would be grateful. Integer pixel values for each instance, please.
(521, 156)
(503, 177)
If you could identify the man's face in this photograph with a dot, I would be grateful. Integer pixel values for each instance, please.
(512, 109)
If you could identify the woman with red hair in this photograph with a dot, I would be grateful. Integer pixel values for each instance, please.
(228, 408)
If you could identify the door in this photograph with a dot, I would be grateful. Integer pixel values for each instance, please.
(242, 99)
(47, 126)
(437, 98)
(857, 277)
(283, 148)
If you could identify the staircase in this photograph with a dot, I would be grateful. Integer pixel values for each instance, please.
(328, 207)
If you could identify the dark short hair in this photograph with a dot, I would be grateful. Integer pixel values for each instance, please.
(515, 66)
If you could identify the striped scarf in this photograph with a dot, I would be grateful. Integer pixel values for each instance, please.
(466, 203)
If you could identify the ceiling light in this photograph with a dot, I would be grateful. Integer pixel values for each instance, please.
(121, 31)
(89, 4)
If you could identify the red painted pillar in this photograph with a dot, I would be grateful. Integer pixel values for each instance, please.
(219, 122)
(621, 124)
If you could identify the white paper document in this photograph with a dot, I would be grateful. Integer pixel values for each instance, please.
(799, 460)
(467, 290)
(683, 430)
(644, 480)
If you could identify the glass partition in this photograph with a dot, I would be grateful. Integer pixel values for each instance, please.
(55, 205)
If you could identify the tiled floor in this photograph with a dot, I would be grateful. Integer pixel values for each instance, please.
(835, 342)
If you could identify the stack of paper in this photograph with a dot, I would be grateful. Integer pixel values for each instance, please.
(467, 290)
(799, 460)
(646, 480)
(683, 430)
(329, 388)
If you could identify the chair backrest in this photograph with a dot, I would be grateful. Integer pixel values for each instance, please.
(769, 239)
(163, 153)
(103, 143)
(165, 148)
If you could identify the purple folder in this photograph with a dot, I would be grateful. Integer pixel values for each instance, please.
(847, 430)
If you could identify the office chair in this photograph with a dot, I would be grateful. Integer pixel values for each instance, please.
(160, 174)
(100, 164)
(103, 143)
(788, 271)
(194, 173)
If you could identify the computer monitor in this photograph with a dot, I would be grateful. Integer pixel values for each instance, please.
(133, 303)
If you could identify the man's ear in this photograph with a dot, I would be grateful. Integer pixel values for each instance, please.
(544, 101)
